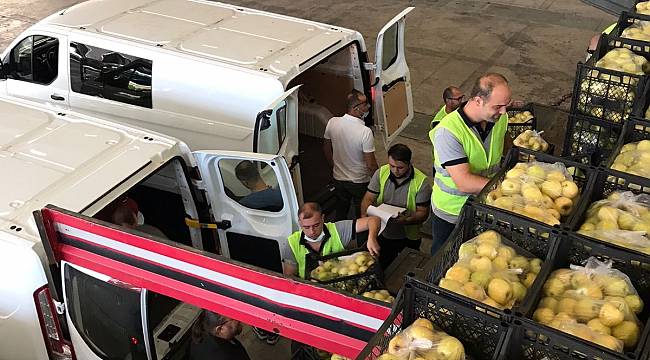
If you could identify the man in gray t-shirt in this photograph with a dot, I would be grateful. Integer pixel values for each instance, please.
(316, 236)
(391, 185)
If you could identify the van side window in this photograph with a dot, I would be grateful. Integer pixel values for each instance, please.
(389, 53)
(35, 59)
(109, 74)
(252, 184)
(272, 131)
(107, 316)
(156, 206)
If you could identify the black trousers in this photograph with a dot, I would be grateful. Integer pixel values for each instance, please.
(390, 248)
(347, 192)
(440, 231)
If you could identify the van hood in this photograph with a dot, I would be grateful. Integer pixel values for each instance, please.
(67, 160)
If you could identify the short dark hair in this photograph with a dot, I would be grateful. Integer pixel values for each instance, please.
(205, 324)
(354, 98)
(246, 170)
(310, 209)
(485, 84)
(400, 152)
(448, 93)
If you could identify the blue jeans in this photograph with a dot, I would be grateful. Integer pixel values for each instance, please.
(440, 231)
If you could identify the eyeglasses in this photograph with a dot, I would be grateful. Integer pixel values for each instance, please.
(361, 103)
(457, 98)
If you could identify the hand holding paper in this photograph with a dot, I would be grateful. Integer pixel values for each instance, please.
(385, 212)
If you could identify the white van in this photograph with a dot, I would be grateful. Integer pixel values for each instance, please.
(90, 167)
(213, 75)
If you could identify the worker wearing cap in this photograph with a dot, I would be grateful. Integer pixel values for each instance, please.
(400, 184)
(467, 146)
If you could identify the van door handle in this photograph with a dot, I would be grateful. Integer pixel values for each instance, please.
(57, 97)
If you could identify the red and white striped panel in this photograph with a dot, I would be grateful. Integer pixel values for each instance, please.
(296, 309)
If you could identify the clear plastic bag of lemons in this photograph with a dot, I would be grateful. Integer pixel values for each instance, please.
(593, 302)
(541, 191)
(491, 272)
(623, 218)
(531, 139)
(421, 340)
(634, 158)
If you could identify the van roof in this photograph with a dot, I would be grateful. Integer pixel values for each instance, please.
(67, 160)
(248, 38)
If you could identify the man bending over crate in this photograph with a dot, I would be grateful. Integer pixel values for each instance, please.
(323, 238)
(468, 145)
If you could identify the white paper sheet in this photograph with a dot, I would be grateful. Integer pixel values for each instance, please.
(384, 212)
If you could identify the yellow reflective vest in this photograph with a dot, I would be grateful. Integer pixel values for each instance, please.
(331, 246)
(412, 231)
(445, 195)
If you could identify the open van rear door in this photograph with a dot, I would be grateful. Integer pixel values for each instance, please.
(276, 132)
(293, 308)
(253, 202)
(392, 96)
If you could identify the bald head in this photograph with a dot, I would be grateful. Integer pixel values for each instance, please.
(484, 86)
(489, 98)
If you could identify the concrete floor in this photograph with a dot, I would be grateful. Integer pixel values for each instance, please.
(535, 43)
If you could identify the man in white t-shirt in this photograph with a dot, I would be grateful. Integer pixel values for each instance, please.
(350, 149)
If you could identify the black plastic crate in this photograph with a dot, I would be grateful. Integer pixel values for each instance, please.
(575, 250)
(355, 284)
(626, 20)
(581, 173)
(527, 238)
(532, 341)
(482, 335)
(378, 344)
(524, 233)
(605, 183)
(591, 139)
(634, 130)
(608, 95)
(514, 129)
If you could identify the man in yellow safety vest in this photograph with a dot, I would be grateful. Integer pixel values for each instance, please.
(324, 238)
(452, 97)
(467, 146)
(400, 184)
